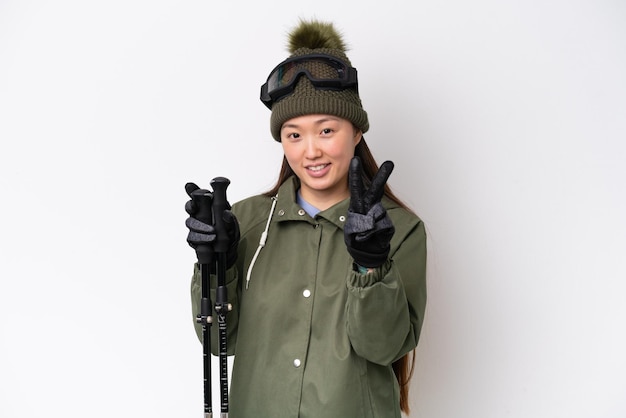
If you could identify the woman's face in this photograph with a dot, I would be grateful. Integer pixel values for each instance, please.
(318, 149)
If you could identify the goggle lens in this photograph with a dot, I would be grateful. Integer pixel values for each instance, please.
(324, 71)
(314, 68)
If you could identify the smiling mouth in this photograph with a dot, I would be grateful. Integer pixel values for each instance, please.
(317, 167)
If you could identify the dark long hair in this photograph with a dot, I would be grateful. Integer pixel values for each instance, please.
(403, 367)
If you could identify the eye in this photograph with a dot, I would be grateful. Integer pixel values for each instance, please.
(293, 136)
(327, 131)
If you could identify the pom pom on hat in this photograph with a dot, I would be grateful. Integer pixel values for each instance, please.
(316, 37)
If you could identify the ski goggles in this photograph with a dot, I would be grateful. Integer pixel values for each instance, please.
(323, 71)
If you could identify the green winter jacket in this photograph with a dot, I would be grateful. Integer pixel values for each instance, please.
(312, 337)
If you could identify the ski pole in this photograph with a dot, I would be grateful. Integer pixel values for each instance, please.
(205, 254)
(220, 204)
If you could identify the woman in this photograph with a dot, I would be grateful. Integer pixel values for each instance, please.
(326, 271)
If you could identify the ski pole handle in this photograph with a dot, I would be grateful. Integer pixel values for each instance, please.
(220, 204)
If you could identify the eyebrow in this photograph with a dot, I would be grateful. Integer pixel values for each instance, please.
(317, 122)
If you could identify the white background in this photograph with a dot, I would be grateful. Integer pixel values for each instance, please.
(506, 121)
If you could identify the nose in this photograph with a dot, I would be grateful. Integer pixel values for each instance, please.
(312, 150)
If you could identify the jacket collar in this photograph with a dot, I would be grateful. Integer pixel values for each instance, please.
(288, 210)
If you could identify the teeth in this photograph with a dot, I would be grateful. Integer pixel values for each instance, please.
(317, 167)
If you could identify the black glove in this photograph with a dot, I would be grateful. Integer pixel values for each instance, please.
(368, 229)
(202, 234)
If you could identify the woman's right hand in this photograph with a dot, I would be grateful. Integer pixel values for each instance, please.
(202, 233)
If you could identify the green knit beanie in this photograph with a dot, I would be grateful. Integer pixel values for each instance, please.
(316, 37)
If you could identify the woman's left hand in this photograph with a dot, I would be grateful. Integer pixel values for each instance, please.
(368, 229)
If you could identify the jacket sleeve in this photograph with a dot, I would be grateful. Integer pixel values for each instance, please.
(385, 308)
(232, 317)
